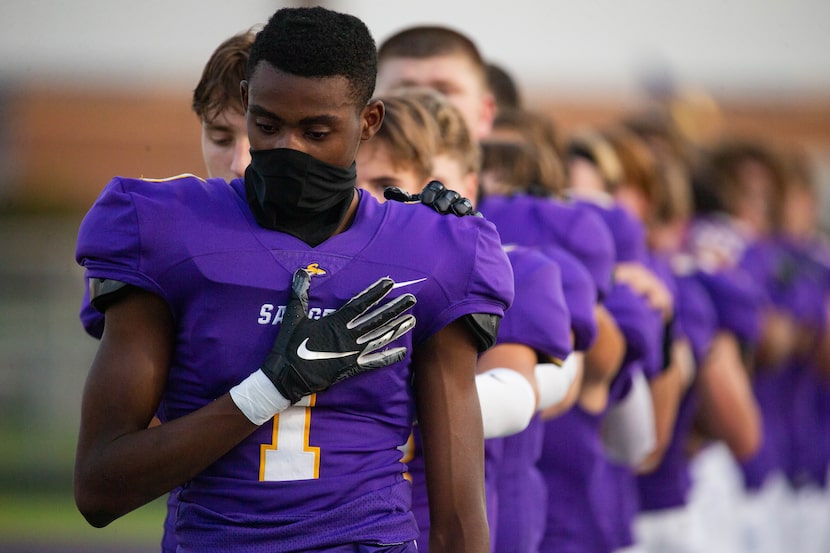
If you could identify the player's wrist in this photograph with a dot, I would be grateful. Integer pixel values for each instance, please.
(258, 398)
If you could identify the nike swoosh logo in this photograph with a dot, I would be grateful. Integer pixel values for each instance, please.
(407, 283)
(309, 355)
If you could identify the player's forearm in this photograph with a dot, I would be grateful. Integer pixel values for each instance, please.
(449, 417)
(457, 504)
(603, 358)
(728, 409)
(458, 516)
(117, 475)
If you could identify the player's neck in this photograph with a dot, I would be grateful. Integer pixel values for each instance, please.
(349, 217)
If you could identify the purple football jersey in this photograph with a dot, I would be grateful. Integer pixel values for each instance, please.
(716, 246)
(647, 339)
(641, 325)
(811, 281)
(642, 328)
(695, 314)
(533, 221)
(580, 514)
(786, 284)
(668, 485)
(772, 391)
(644, 332)
(538, 318)
(808, 422)
(628, 233)
(625, 498)
(738, 301)
(91, 319)
(643, 341)
(336, 475)
(413, 457)
(521, 491)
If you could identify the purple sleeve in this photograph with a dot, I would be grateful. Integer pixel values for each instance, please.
(641, 326)
(109, 239)
(695, 315)
(737, 300)
(797, 285)
(629, 236)
(580, 294)
(819, 286)
(488, 286)
(91, 318)
(593, 244)
(627, 232)
(539, 315)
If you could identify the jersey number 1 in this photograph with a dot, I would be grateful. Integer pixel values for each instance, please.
(289, 457)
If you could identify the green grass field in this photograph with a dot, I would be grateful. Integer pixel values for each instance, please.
(53, 518)
(36, 503)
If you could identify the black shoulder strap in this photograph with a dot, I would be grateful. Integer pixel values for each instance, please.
(103, 292)
(485, 328)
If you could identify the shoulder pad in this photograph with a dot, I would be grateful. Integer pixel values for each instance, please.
(103, 292)
(485, 328)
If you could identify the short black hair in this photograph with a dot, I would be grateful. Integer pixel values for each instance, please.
(316, 42)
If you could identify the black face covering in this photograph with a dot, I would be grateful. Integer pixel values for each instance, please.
(293, 192)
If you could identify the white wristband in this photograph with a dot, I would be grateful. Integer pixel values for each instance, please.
(258, 398)
(629, 433)
(507, 402)
(554, 381)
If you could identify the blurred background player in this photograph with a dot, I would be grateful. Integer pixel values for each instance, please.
(411, 57)
(402, 152)
(744, 186)
(503, 87)
(444, 60)
(513, 387)
(645, 392)
(514, 188)
(517, 134)
(714, 380)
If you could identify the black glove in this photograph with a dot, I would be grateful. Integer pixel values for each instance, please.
(309, 355)
(436, 196)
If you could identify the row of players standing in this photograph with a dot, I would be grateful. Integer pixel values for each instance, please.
(612, 350)
(702, 341)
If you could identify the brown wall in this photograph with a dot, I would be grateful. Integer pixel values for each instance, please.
(800, 123)
(63, 144)
(68, 143)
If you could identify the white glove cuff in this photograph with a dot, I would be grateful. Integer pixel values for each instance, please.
(258, 398)
(554, 381)
(507, 402)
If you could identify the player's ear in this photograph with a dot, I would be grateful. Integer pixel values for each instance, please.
(372, 117)
(243, 91)
(487, 115)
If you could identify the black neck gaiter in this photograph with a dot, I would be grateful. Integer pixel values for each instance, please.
(293, 192)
